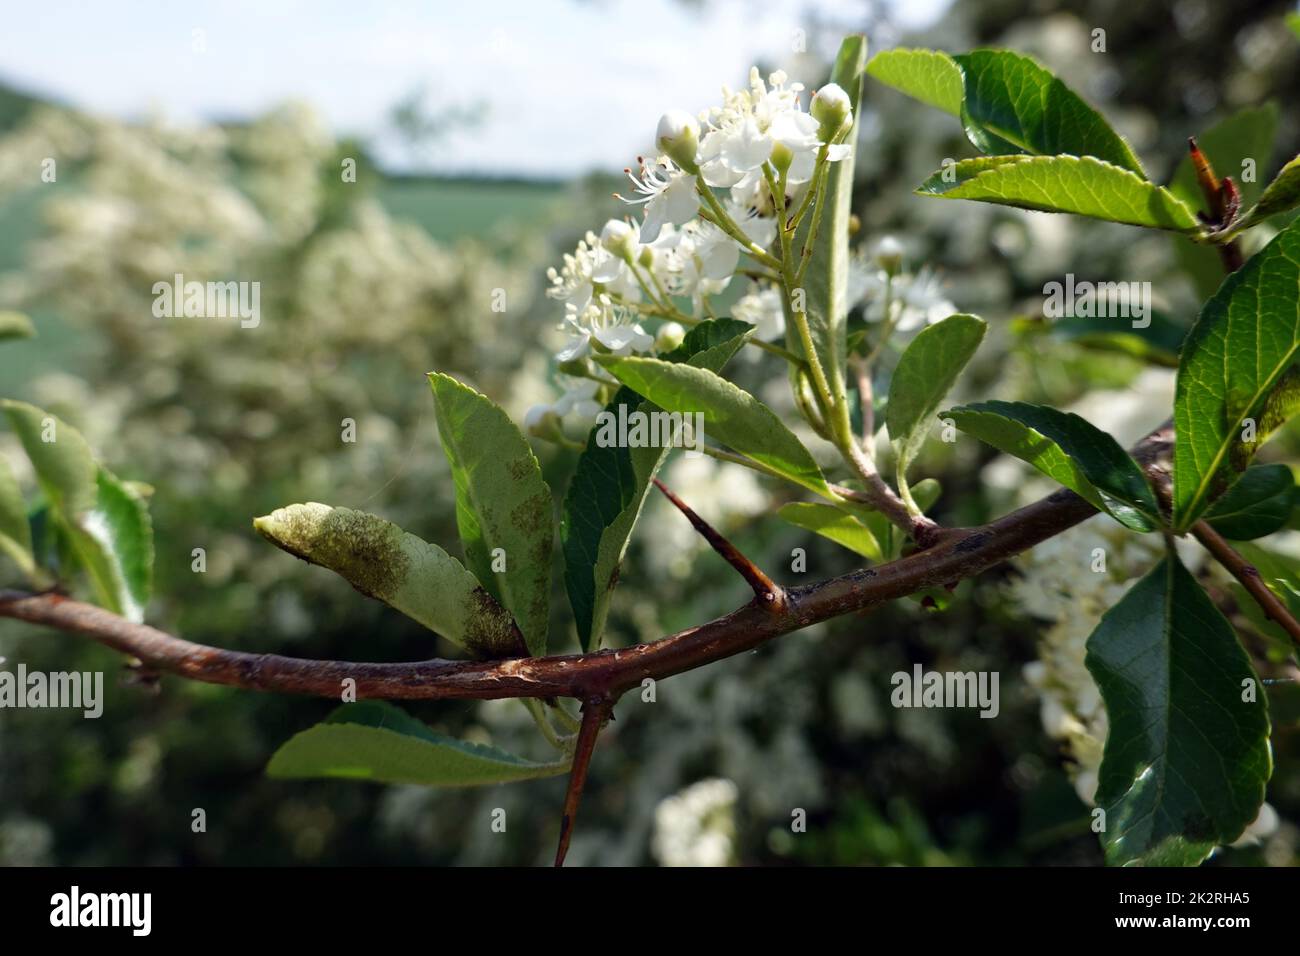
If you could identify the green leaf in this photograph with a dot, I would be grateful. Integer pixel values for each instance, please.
(1012, 104)
(826, 281)
(65, 468)
(731, 414)
(1257, 505)
(1068, 450)
(409, 574)
(1157, 343)
(1282, 195)
(1238, 364)
(106, 524)
(1186, 759)
(1080, 185)
(830, 522)
(15, 325)
(114, 542)
(375, 741)
(1247, 134)
(15, 532)
(610, 484)
(926, 75)
(503, 507)
(925, 372)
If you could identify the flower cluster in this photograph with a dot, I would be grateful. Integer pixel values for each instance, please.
(697, 827)
(688, 243)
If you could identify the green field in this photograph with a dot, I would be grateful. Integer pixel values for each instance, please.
(448, 209)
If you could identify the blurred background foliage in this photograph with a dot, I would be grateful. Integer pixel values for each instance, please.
(368, 285)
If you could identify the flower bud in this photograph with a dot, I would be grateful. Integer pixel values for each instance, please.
(889, 254)
(619, 239)
(678, 137)
(670, 336)
(782, 157)
(830, 107)
(542, 422)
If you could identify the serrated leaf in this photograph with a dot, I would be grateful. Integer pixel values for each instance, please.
(1081, 185)
(15, 532)
(1186, 759)
(1012, 104)
(610, 484)
(925, 372)
(1282, 195)
(15, 325)
(65, 468)
(377, 742)
(731, 415)
(409, 574)
(1257, 505)
(1238, 364)
(835, 524)
(1068, 450)
(114, 542)
(1246, 134)
(503, 506)
(826, 281)
(930, 76)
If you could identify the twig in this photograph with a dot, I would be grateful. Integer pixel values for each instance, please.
(594, 712)
(1222, 201)
(1250, 579)
(765, 589)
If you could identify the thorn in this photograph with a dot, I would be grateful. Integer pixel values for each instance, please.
(765, 589)
(594, 712)
(1205, 177)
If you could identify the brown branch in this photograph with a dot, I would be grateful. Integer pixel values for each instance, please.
(594, 712)
(607, 673)
(765, 589)
(1250, 579)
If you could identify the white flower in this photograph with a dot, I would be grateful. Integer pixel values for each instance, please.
(764, 310)
(668, 194)
(913, 300)
(609, 324)
(697, 827)
(744, 130)
(697, 260)
(589, 266)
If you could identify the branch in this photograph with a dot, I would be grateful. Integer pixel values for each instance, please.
(594, 713)
(960, 554)
(1250, 579)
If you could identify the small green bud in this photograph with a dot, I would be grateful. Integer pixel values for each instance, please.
(678, 137)
(670, 336)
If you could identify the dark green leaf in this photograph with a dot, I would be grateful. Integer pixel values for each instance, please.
(1257, 505)
(1069, 450)
(1013, 104)
(1186, 758)
(610, 483)
(1237, 377)
(114, 542)
(1158, 342)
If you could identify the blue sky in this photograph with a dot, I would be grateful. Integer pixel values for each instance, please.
(570, 85)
